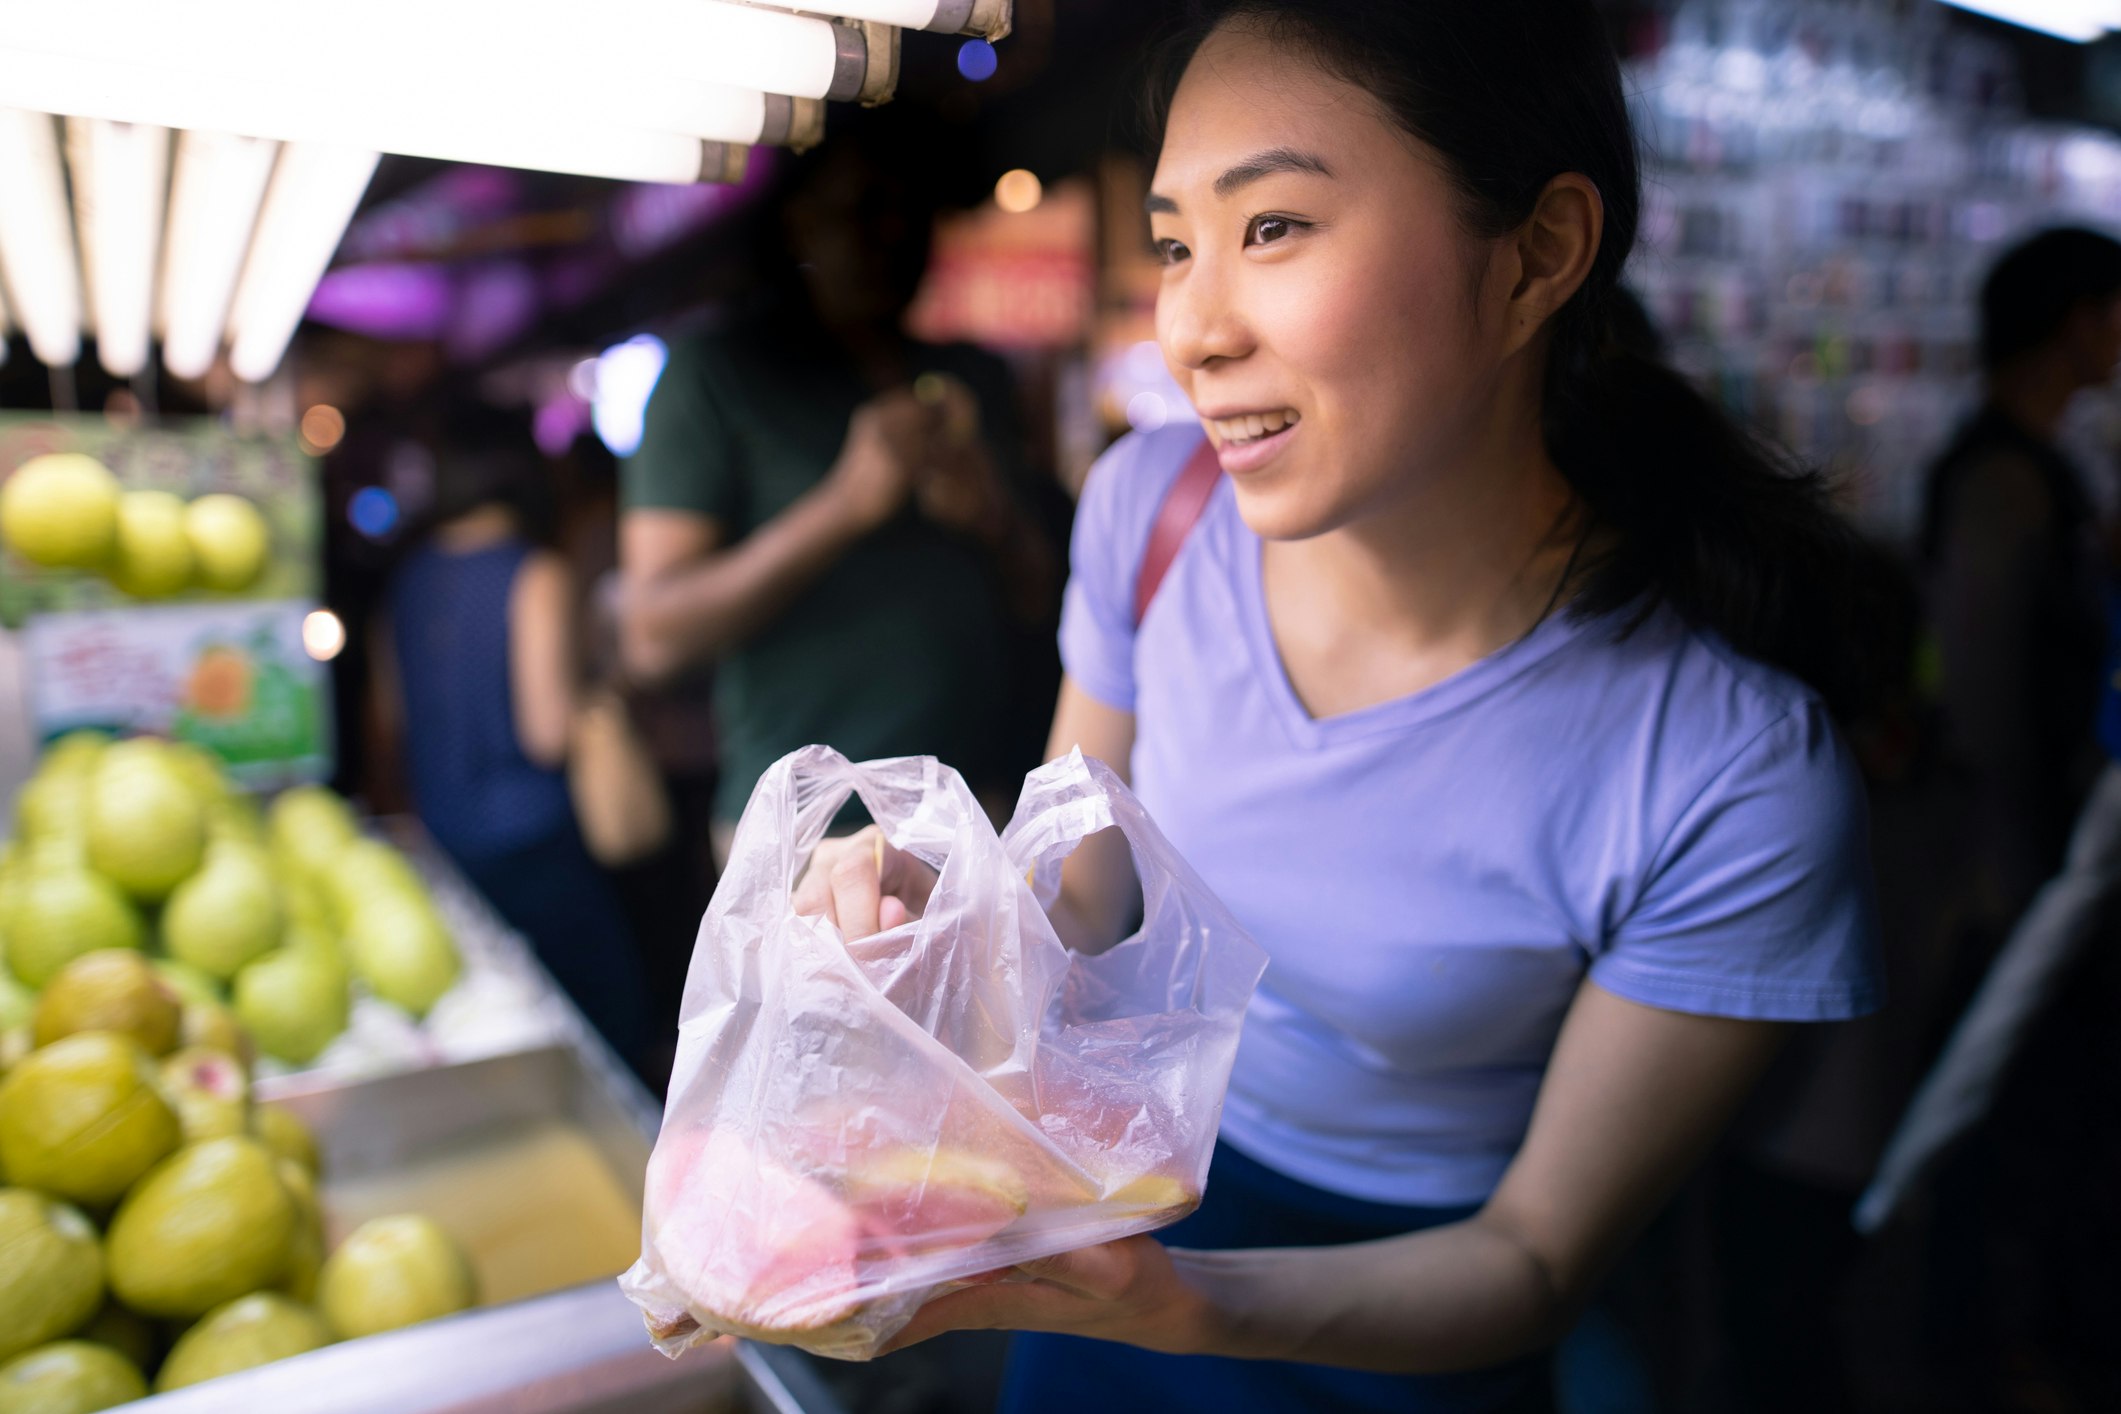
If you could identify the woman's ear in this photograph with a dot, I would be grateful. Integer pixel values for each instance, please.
(1555, 248)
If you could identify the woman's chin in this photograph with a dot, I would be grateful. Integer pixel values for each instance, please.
(1280, 516)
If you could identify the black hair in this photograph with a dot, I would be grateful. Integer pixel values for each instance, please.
(2032, 291)
(1698, 513)
(485, 455)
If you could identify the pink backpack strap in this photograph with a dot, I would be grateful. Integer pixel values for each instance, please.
(1175, 519)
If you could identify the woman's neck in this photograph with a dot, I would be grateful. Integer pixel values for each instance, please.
(1422, 587)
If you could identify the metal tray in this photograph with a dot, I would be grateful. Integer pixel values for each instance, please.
(581, 1348)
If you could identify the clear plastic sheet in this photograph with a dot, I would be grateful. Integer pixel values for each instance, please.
(852, 1129)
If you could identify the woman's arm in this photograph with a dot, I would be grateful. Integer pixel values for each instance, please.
(863, 887)
(543, 674)
(1633, 1097)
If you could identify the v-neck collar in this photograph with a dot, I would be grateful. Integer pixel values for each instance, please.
(1242, 550)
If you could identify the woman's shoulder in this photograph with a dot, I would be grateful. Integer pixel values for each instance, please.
(1127, 485)
(1709, 704)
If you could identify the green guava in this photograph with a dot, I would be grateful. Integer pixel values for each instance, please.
(369, 871)
(17, 1002)
(211, 1092)
(403, 952)
(74, 751)
(83, 1118)
(208, 1224)
(69, 1377)
(51, 1270)
(111, 989)
(228, 540)
(309, 826)
(251, 1330)
(393, 1272)
(146, 832)
(60, 510)
(151, 556)
(53, 805)
(226, 915)
(61, 912)
(295, 1003)
(213, 1026)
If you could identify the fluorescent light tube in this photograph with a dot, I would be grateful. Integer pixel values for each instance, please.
(120, 172)
(37, 237)
(452, 123)
(313, 194)
(213, 204)
(404, 48)
(989, 19)
(2081, 21)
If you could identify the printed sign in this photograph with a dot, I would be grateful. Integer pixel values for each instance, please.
(233, 678)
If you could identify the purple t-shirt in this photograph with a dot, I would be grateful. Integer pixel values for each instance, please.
(1433, 877)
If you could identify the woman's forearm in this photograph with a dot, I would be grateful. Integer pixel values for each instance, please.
(1459, 1297)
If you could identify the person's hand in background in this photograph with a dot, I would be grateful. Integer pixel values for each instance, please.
(957, 486)
(888, 441)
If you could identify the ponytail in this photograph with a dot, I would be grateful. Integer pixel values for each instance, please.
(1707, 518)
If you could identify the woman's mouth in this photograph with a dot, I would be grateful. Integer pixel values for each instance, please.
(1246, 441)
(1252, 426)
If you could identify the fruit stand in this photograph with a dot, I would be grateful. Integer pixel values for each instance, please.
(520, 1133)
(289, 1119)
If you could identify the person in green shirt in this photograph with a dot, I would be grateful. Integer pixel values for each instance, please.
(820, 511)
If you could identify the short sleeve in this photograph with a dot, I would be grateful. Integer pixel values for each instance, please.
(1120, 500)
(689, 458)
(1759, 904)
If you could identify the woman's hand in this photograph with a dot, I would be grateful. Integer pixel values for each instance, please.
(863, 885)
(1132, 1291)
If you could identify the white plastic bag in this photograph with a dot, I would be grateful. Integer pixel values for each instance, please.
(851, 1129)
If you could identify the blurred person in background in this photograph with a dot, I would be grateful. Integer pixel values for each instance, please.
(2018, 587)
(829, 514)
(477, 688)
(2011, 552)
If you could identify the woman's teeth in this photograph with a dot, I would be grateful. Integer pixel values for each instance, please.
(1253, 426)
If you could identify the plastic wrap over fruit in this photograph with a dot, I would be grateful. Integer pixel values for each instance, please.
(852, 1128)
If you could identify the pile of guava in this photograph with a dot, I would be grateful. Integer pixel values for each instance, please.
(65, 511)
(264, 923)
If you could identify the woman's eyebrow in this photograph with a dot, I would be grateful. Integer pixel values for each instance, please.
(1259, 164)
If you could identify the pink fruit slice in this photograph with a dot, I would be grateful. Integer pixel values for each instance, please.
(925, 1200)
(756, 1247)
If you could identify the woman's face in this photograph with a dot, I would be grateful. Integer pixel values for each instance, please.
(1317, 279)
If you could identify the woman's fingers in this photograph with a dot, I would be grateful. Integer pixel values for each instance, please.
(813, 891)
(864, 885)
(857, 896)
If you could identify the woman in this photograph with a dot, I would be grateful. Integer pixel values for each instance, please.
(477, 677)
(1478, 693)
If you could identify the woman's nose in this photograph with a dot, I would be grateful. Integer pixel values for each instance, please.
(1198, 319)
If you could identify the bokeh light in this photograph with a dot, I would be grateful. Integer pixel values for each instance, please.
(976, 60)
(1018, 191)
(323, 635)
(1147, 411)
(625, 375)
(373, 511)
(323, 427)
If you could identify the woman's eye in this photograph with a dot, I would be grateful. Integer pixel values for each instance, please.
(1265, 230)
(1169, 252)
